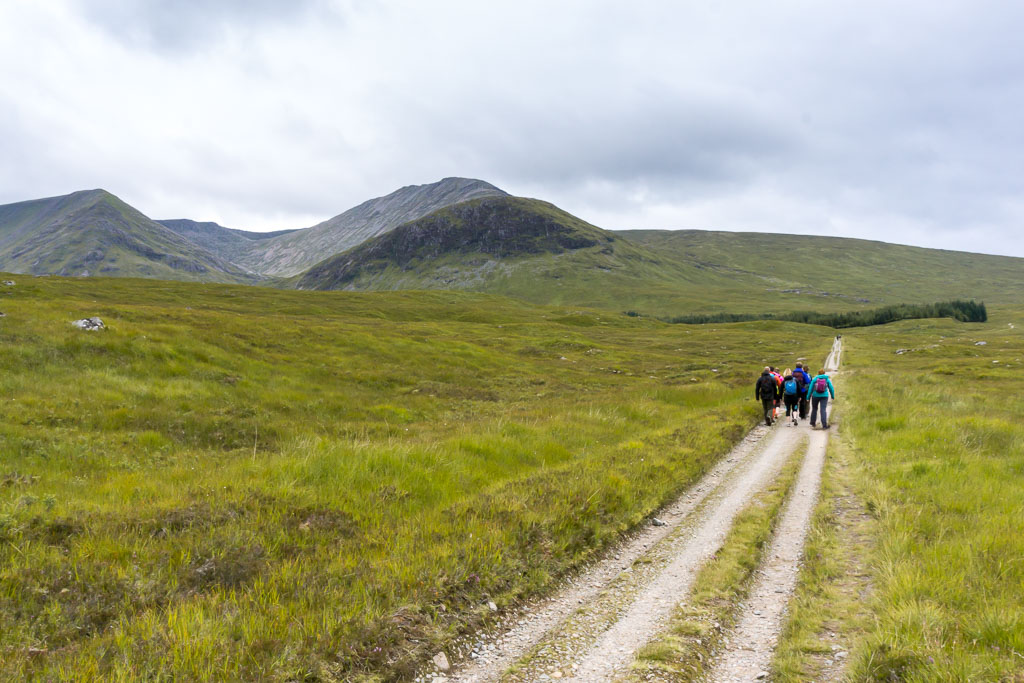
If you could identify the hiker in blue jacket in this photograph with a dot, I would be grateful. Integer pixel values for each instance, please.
(819, 391)
(804, 380)
(791, 394)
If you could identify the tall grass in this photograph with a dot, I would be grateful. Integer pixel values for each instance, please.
(236, 483)
(941, 446)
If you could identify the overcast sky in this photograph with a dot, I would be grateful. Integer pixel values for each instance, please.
(893, 121)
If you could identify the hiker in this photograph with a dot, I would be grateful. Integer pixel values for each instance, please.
(804, 380)
(791, 395)
(778, 397)
(819, 391)
(767, 390)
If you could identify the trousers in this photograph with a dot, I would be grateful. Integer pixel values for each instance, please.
(822, 402)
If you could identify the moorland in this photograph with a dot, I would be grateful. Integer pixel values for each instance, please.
(236, 482)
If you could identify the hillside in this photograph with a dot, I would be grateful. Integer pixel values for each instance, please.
(525, 248)
(293, 253)
(94, 233)
(483, 232)
(226, 243)
(489, 246)
(476, 247)
(841, 271)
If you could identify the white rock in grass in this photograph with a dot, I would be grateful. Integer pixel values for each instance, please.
(89, 324)
(981, 343)
(441, 661)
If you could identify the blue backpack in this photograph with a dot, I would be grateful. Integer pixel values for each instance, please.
(792, 387)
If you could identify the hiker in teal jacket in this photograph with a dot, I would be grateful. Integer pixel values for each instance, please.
(819, 391)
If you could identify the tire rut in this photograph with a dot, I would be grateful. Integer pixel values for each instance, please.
(592, 628)
(752, 642)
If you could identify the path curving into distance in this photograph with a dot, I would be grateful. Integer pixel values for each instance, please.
(592, 628)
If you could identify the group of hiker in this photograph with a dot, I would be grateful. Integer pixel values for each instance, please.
(795, 390)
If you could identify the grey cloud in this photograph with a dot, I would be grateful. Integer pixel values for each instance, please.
(885, 120)
(176, 25)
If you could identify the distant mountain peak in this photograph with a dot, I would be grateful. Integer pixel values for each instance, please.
(494, 227)
(291, 254)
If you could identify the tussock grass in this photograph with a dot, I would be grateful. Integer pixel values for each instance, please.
(938, 454)
(697, 628)
(234, 483)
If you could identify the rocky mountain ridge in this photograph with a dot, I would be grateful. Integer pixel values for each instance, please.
(297, 251)
(495, 227)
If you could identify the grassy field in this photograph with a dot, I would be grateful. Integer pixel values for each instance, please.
(931, 415)
(239, 483)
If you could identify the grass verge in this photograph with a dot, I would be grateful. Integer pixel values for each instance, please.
(829, 613)
(937, 445)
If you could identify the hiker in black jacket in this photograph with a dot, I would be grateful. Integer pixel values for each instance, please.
(767, 391)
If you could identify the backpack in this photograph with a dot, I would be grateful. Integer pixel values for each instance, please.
(821, 385)
(792, 387)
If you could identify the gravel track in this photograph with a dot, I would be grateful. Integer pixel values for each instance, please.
(752, 642)
(527, 628)
(591, 628)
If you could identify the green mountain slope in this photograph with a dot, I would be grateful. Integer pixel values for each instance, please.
(491, 246)
(475, 234)
(94, 233)
(843, 271)
(293, 253)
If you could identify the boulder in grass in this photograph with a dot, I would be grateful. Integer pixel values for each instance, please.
(89, 324)
(440, 660)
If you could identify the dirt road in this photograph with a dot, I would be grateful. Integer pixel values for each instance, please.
(592, 629)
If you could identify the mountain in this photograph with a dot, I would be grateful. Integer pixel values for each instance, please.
(227, 243)
(534, 251)
(290, 254)
(92, 232)
(524, 248)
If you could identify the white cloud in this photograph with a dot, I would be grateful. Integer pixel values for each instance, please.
(865, 119)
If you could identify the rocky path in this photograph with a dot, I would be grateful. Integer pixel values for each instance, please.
(591, 629)
(753, 640)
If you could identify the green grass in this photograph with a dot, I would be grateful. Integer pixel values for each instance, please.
(829, 609)
(937, 443)
(240, 483)
(806, 272)
(697, 627)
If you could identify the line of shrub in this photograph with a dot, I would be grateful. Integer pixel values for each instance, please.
(964, 311)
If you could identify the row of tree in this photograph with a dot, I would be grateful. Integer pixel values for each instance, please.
(964, 311)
